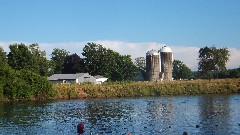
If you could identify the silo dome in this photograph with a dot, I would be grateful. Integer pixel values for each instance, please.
(165, 49)
(153, 52)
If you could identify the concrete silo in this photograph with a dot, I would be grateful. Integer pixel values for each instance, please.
(166, 63)
(152, 65)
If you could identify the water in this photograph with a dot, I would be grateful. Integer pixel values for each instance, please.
(168, 115)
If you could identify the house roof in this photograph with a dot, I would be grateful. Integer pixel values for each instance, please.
(66, 76)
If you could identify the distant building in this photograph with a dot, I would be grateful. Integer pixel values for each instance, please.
(100, 79)
(159, 64)
(76, 78)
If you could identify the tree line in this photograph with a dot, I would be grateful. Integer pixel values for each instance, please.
(26, 66)
(24, 70)
(97, 60)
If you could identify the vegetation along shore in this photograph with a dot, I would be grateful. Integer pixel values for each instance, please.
(137, 89)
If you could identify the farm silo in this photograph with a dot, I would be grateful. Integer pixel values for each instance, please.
(166, 63)
(152, 65)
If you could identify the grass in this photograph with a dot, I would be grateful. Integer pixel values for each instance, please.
(136, 89)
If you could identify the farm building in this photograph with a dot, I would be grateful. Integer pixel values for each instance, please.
(76, 78)
(100, 79)
(159, 64)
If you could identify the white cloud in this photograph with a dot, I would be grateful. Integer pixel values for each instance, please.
(188, 55)
(234, 59)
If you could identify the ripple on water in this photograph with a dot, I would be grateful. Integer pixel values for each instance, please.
(151, 115)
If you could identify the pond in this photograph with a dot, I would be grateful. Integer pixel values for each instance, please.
(165, 115)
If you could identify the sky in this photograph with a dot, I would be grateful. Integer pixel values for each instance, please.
(127, 26)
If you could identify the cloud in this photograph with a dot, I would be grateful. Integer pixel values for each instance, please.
(234, 58)
(188, 55)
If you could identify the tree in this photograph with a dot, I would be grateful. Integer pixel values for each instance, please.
(58, 57)
(221, 57)
(181, 71)
(234, 73)
(29, 58)
(73, 64)
(97, 58)
(212, 60)
(106, 62)
(3, 57)
(25, 84)
(140, 62)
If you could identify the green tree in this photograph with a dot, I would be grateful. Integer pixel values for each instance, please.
(25, 84)
(3, 57)
(29, 58)
(106, 62)
(96, 57)
(181, 71)
(221, 57)
(234, 73)
(212, 61)
(58, 56)
(73, 64)
(140, 62)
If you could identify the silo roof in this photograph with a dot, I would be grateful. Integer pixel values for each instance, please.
(152, 52)
(165, 49)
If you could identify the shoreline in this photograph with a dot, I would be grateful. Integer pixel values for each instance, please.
(140, 89)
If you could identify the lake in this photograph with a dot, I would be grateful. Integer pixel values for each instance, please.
(165, 115)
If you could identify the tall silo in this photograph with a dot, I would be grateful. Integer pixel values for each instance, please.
(152, 65)
(166, 63)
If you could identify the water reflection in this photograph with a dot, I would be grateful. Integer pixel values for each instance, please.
(105, 115)
(214, 115)
(22, 114)
(160, 115)
(151, 115)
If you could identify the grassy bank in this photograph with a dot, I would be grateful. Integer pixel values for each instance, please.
(135, 89)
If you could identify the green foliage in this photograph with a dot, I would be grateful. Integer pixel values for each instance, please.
(106, 62)
(58, 57)
(24, 84)
(73, 64)
(29, 58)
(234, 73)
(40, 86)
(3, 57)
(4, 71)
(136, 89)
(140, 62)
(181, 71)
(212, 61)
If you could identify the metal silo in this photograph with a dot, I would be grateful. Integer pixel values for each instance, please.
(152, 65)
(166, 63)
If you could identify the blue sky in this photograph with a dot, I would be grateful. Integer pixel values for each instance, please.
(123, 23)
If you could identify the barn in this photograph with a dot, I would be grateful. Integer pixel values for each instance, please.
(72, 78)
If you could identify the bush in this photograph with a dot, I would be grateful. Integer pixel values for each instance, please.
(25, 85)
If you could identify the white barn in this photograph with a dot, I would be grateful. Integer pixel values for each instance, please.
(76, 78)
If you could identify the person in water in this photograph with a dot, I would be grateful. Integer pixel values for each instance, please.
(80, 128)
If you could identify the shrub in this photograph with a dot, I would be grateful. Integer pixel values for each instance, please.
(26, 85)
